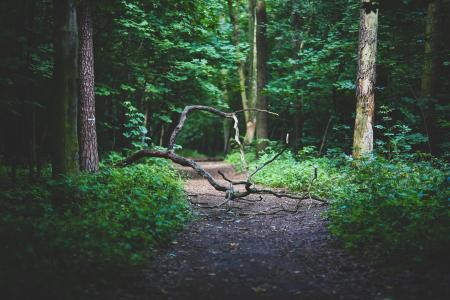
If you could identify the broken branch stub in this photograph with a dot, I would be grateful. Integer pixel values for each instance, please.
(230, 192)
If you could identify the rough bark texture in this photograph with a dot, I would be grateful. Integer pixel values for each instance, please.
(88, 133)
(429, 70)
(261, 76)
(365, 83)
(65, 143)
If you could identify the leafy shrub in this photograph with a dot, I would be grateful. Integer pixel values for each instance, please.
(95, 222)
(135, 129)
(398, 211)
(388, 208)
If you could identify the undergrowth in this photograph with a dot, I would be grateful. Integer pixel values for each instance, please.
(393, 210)
(98, 224)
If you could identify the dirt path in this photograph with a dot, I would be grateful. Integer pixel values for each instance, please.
(223, 254)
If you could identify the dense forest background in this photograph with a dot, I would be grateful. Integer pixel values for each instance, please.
(362, 87)
(157, 57)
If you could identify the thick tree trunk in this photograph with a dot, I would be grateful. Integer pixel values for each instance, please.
(88, 133)
(365, 83)
(65, 143)
(261, 76)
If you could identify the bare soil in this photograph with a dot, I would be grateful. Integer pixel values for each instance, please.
(243, 251)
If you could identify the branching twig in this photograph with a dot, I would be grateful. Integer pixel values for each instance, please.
(231, 181)
(270, 160)
(259, 168)
(256, 109)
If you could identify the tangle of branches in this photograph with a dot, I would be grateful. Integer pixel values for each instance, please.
(229, 189)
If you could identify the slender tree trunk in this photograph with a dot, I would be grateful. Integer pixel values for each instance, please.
(365, 83)
(253, 71)
(261, 76)
(227, 128)
(226, 124)
(233, 11)
(28, 9)
(430, 67)
(65, 143)
(161, 134)
(298, 122)
(298, 106)
(325, 134)
(88, 133)
(429, 70)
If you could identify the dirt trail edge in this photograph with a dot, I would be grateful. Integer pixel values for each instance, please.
(230, 253)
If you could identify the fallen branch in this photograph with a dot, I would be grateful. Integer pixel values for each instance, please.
(229, 190)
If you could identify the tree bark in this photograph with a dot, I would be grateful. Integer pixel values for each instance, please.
(429, 70)
(298, 124)
(365, 83)
(233, 12)
(253, 71)
(28, 9)
(65, 144)
(261, 76)
(325, 134)
(88, 134)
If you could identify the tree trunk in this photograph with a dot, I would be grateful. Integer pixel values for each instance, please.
(429, 70)
(299, 119)
(261, 76)
(28, 9)
(430, 67)
(65, 144)
(253, 72)
(248, 115)
(226, 136)
(88, 133)
(298, 124)
(325, 134)
(365, 83)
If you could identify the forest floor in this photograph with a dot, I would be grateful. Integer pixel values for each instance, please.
(235, 252)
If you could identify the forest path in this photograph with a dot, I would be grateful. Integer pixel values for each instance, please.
(223, 254)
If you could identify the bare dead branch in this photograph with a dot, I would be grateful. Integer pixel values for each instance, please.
(268, 162)
(231, 181)
(184, 115)
(176, 159)
(256, 109)
(229, 190)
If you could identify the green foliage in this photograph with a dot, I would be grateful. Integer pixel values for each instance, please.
(99, 223)
(396, 137)
(234, 158)
(135, 129)
(161, 55)
(398, 211)
(391, 209)
(191, 153)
